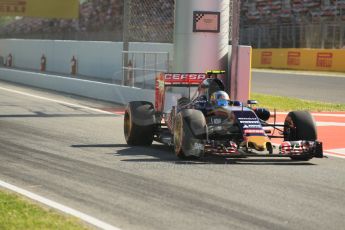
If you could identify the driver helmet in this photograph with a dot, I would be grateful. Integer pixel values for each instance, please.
(220, 98)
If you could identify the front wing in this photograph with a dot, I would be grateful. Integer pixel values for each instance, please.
(285, 149)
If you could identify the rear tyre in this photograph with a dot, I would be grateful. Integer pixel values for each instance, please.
(139, 123)
(189, 131)
(300, 125)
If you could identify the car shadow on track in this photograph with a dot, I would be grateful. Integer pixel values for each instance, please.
(269, 161)
(97, 146)
(162, 153)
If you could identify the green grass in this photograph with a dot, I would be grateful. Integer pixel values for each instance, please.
(288, 104)
(17, 213)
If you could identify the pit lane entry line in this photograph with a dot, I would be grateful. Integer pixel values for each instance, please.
(89, 219)
(319, 114)
(56, 101)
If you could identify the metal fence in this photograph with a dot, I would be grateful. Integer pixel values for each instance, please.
(321, 35)
(149, 20)
(142, 68)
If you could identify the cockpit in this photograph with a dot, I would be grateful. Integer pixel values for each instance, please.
(208, 87)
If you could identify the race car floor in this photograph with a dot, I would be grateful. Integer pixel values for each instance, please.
(330, 129)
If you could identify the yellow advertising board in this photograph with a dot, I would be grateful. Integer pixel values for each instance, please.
(300, 59)
(65, 9)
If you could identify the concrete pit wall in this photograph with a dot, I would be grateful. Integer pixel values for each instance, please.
(90, 89)
(97, 59)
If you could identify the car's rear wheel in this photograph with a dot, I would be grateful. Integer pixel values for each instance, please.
(139, 123)
(300, 125)
(189, 131)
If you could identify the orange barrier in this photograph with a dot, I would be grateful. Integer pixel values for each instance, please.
(300, 59)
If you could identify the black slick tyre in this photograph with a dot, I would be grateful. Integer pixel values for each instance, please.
(300, 125)
(189, 131)
(139, 123)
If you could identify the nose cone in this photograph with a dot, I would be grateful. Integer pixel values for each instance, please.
(258, 143)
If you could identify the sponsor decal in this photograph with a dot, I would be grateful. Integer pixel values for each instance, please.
(217, 121)
(247, 118)
(254, 131)
(198, 146)
(294, 58)
(252, 126)
(324, 60)
(206, 21)
(184, 77)
(250, 122)
(296, 147)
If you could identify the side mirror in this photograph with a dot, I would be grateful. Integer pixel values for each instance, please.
(252, 102)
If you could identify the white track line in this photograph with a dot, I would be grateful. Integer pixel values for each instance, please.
(336, 124)
(331, 154)
(317, 114)
(328, 115)
(50, 203)
(322, 123)
(60, 207)
(56, 101)
(300, 72)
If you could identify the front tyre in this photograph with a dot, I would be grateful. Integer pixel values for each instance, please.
(189, 132)
(300, 125)
(139, 123)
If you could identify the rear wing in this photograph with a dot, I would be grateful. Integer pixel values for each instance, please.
(175, 80)
(183, 79)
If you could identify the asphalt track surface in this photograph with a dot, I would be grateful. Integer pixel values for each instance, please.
(78, 157)
(316, 86)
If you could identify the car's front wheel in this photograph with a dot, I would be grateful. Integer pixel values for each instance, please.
(300, 125)
(189, 132)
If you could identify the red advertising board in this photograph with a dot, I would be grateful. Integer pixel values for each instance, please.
(266, 58)
(294, 58)
(324, 60)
